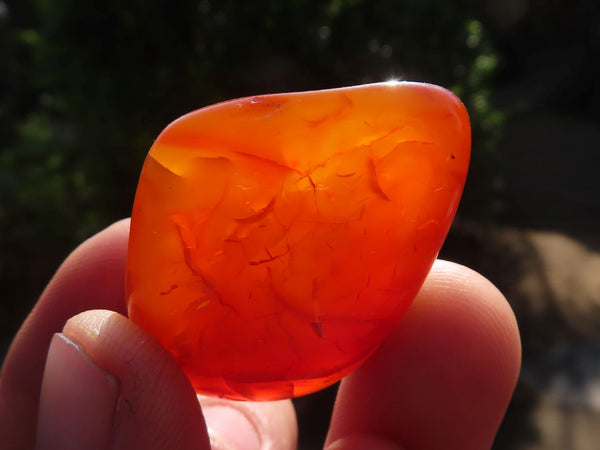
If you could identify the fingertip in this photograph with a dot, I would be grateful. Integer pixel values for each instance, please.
(472, 303)
(250, 425)
(444, 377)
(230, 427)
(157, 406)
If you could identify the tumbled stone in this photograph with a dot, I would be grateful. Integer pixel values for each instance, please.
(276, 240)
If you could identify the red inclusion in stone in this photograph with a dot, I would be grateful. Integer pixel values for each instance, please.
(276, 240)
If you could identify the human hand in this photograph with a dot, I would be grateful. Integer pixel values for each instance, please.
(443, 379)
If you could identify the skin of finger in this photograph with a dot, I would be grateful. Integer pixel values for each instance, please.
(92, 276)
(275, 422)
(363, 441)
(444, 377)
(157, 406)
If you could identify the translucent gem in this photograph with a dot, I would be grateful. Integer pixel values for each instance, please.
(276, 240)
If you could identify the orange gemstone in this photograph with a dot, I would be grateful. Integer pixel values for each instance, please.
(276, 240)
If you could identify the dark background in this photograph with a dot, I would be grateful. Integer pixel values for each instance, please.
(85, 87)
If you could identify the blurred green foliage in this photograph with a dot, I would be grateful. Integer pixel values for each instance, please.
(87, 86)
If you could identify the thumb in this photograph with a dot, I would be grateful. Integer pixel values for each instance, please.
(107, 384)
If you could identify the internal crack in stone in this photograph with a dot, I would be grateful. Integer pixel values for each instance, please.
(374, 181)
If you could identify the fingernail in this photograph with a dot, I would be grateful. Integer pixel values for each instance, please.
(230, 428)
(77, 400)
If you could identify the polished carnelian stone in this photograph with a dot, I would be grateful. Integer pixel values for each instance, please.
(276, 240)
